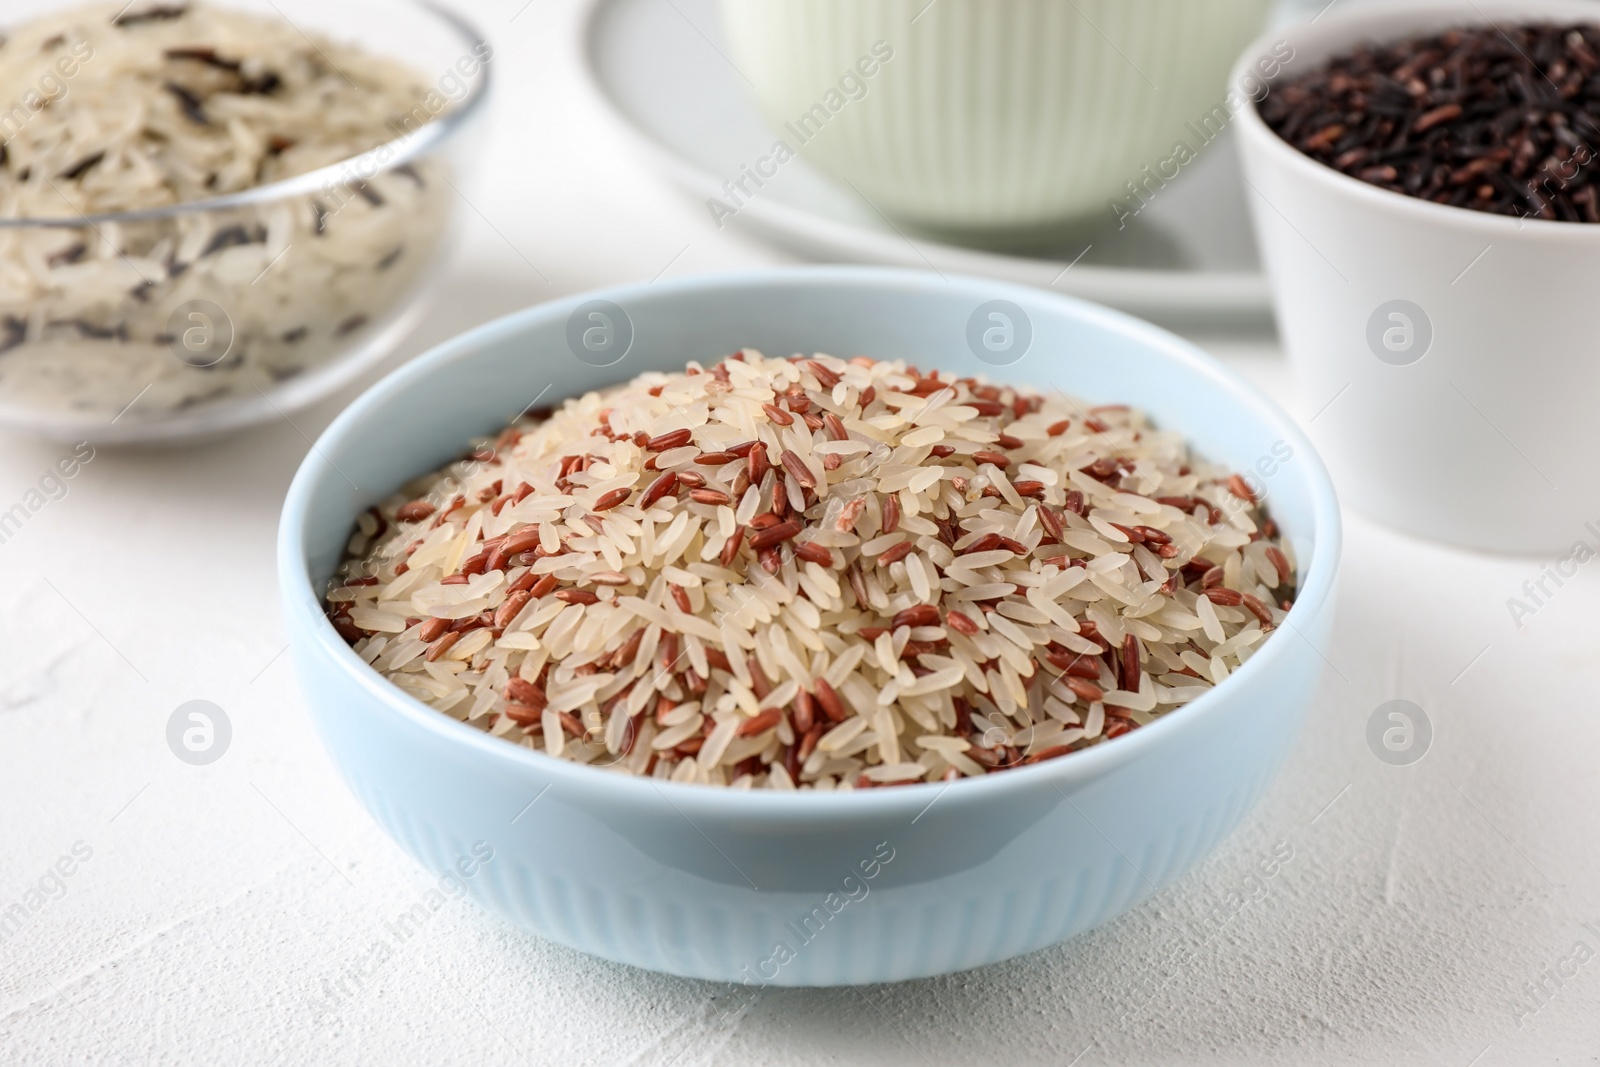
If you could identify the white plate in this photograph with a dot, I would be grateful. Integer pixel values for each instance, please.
(659, 67)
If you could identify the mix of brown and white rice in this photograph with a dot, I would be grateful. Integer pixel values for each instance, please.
(815, 573)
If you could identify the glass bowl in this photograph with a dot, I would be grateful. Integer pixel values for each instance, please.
(200, 318)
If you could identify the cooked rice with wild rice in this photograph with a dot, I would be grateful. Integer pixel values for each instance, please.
(126, 107)
(815, 573)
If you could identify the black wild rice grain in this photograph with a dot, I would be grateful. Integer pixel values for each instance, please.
(208, 56)
(232, 236)
(13, 331)
(190, 103)
(152, 14)
(80, 168)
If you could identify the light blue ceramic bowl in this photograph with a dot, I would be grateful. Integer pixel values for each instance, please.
(797, 889)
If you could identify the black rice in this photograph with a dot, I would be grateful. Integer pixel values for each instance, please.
(1496, 119)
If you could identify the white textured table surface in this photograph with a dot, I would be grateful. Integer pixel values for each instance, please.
(237, 912)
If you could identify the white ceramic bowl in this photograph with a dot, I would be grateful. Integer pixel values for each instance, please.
(987, 117)
(1451, 352)
(705, 882)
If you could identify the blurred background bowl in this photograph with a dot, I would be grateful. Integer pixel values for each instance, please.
(988, 120)
(704, 882)
(273, 297)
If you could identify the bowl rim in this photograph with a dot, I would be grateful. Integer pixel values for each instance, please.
(383, 157)
(302, 602)
(1342, 31)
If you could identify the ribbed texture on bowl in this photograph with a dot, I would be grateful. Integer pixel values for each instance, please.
(992, 116)
(986, 916)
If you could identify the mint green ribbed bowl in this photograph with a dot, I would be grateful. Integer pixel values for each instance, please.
(991, 116)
